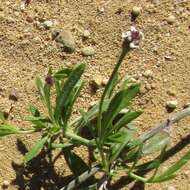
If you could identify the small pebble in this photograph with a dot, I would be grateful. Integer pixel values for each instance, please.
(171, 92)
(105, 81)
(88, 51)
(13, 96)
(86, 34)
(148, 73)
(172, 104)
(136, 11)
(171, 19)
(97, 81)
(48, 24)
(171, 188)
(5, 184)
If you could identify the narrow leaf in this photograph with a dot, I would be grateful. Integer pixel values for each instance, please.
(6, 129)
(62, 100)
(35, 149)
(34, 111)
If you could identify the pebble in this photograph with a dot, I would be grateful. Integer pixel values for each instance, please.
(97, 81)
(88, 51)
(171, 92)
(86, 34)
(172, 104)
(105, 81)
(148, 73)
(13, 96)
(47, 24)
(186, 105)
(66, 38)
(6, 183)
(171, 188)
(136, 11)
(171, 19)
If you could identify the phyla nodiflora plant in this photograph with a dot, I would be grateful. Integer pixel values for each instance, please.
(111, 135)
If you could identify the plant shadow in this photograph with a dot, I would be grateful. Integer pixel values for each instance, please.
(40, 173)
(125, 180)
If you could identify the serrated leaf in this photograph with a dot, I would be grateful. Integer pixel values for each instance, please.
(62, 101)
(6, 129)
(156, 143)
(36, 149)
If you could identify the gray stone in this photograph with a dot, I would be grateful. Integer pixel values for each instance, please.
(86, 34)
(88, 51)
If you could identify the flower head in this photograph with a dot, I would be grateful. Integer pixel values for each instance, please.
(133, 37)
(49, 80)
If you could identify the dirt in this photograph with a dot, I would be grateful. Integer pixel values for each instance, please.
(27, 51)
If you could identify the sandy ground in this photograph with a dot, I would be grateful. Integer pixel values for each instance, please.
(27, 50)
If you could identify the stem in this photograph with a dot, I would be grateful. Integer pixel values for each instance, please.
(99, 145)
(78, 138)
(28, 131)
(166, 124)
(137, 177)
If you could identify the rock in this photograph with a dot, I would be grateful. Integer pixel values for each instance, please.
(97, 81)
(86, 34)
(171, 104)
(171, 19)
(105, 81)
(66, 38)
(148, 74)
(48, 24)
(171, 188)
(13, 95)
(88, 51)
(171, 92)
(136, 11)
(5, 184)
(186, 105)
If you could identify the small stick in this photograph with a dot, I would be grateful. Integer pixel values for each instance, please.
(165, 125)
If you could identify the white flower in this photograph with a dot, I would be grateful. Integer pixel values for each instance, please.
(133, 37)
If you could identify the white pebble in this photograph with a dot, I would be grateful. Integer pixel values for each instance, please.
(172, 104)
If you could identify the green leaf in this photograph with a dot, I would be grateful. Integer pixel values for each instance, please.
(118, 147)
(170, 172)
(75, 163)
(63, 100)
(156, 143)
(62, 74)
(39, 122)
(6, 129)
(34, 111)
(119, 102)
(112, 85)
(126, 119)
(73, 98)
(36, 149)
(40, 87)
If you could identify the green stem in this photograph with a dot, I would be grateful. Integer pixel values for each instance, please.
(99, 145)
(137, 177)
(28, 131)
(78, 138)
